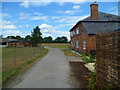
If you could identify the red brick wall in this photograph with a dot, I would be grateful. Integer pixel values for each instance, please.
(90, 39)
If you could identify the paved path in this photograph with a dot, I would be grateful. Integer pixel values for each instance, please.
(50, 72)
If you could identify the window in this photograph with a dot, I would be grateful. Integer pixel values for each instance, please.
(84, 44)
(77, 30)
(77, 44)
(71, 33)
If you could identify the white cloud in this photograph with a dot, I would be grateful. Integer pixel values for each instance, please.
(7, 25)
(54, 17)
(49, 30)
(8, 28)
(27, 25)
(11, 32)
(70, 11)
(34, 16)
(38, 18)
(76, 7)
(25, 4)
(28, 3)
(71, 19)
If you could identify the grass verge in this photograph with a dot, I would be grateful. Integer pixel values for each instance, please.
(61, 46)
(68, 52)
(16, 70)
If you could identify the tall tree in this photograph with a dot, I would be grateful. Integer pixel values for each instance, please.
(36, 37)
(27, 38)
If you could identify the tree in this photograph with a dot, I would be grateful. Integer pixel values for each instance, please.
(48, 39)
(36, 37)
(62, 39)
(18, 37)
(57, 40)
(11, 37)
(27, 38)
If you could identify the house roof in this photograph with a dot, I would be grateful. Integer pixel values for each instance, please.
(103, 17)
(100, 27)
(105, 23)
(13, 40)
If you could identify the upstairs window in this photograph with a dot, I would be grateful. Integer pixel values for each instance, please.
(77, 30)
(71, 33)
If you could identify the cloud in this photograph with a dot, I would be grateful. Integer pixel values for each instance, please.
(49, 30)
(54, 17)
(76, 7)
(38, 18)
(69, 11)
(8, 25)
(28, 3)
(11, 32)
(34, 16)
(8, 28)
(25, 4)
(71, 19)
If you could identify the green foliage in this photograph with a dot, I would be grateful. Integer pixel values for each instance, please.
(62, 39)
(92, 83)
(27, 38)
(48, 39)
(109, 87)
(36, 37)
(87, 59)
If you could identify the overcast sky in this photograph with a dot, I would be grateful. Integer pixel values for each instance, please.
(54, 18)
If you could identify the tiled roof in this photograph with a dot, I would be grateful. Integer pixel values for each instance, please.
(104, 17)
(100, 27)
(105, 23)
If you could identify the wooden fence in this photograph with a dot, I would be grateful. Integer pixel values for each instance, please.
(108, 59)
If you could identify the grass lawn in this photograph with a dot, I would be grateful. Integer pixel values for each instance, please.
(14, 60)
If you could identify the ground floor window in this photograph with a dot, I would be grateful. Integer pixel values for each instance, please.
(77, 44)
(84, 44)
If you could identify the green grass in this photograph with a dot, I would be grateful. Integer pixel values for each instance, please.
(14, 70)
(68, 52)
(61, 46)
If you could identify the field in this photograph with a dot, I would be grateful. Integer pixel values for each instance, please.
(14, 60)
(57, 45)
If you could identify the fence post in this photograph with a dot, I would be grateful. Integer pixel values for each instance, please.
(14, 57)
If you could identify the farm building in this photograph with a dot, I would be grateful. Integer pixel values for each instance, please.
(83, 33)
(5, 42)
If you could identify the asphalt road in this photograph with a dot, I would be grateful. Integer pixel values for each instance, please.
(50, 72)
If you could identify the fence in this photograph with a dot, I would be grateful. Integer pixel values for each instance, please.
(108, 59)
(12, 56)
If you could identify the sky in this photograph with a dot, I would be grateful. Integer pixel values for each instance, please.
(54, 18)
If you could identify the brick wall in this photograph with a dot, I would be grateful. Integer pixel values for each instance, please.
(108, 59)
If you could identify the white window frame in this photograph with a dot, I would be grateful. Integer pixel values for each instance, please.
(84, 44)
(77, 30)
(77, 44)
(71, 33)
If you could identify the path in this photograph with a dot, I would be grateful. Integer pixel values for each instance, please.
(50, 72)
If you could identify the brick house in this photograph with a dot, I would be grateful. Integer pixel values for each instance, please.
(82, 35)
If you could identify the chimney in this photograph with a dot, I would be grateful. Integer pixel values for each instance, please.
(94, 10)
